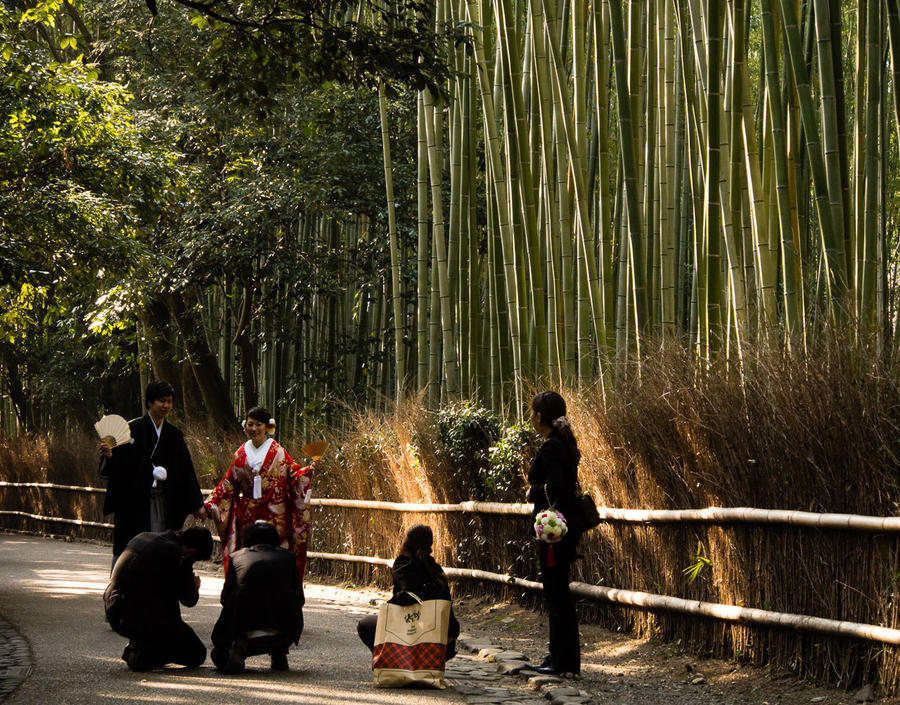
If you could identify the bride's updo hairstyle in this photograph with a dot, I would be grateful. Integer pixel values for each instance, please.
(552, 408)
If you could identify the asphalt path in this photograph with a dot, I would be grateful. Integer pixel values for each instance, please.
(51, 594)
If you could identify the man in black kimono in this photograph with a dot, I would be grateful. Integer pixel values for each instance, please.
(262, 603)
(152, 576)
(152, 485)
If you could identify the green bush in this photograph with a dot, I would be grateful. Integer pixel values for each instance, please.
(489, 458)
(465, 435)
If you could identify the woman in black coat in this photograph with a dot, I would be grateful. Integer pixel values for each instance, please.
(415, 571)
(553, 478)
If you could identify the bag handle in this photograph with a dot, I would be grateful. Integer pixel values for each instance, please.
(413, 596)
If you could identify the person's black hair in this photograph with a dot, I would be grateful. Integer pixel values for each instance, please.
(551, 406)
(259, 413)
(260, 532)
(198, 539)
(418, 541)
(417, 544)
(158, 390)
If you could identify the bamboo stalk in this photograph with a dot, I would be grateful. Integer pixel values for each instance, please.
(422, 251)
(396, 293)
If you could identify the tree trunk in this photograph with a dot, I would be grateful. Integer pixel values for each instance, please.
(219, 408)
(14, 384)
(158, 326)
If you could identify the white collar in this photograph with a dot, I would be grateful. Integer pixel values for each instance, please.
(158, 428)
(256, 456)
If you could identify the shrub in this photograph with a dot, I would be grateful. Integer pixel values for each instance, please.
(465, 434)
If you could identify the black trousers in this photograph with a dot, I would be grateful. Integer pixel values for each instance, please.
(174, 642)
(565, 644)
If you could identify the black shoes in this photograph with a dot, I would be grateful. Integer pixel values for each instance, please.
(548, 668)
(236, 656)
(279, 662)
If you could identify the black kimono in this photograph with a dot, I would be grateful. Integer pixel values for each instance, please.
(553, 478)
(262, 591)
(130, 478)
(150, 579)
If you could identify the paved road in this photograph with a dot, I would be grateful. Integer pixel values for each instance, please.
(50, 593)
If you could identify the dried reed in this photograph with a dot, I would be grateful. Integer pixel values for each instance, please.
(819, 432)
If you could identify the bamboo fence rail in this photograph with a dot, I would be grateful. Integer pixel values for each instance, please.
(53, 486)
(630, 598)
(649, 601)
(709, 515)
(55, 520)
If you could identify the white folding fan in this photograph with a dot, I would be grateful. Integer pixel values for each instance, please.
(115, 427)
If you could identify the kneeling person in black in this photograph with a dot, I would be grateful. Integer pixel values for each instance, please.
(262, 602)
(415, 571)
(153, 575)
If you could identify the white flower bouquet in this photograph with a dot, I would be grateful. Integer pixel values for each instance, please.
(550, 526)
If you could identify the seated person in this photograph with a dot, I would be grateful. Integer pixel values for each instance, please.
(415, 571)
(153, 574)
(262, 602)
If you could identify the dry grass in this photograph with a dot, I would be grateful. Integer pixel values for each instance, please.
(817, 434)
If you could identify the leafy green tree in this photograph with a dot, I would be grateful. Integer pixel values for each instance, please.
(79, 187)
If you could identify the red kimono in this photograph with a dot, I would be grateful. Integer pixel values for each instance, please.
(285, 490)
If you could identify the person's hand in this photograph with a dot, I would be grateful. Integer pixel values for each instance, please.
(201, 513)
(212, 512)
(317, 464)
(106, 448)
(242, 479)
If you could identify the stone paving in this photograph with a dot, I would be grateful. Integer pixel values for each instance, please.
(487, 675)
(15, 660)
(484, 674)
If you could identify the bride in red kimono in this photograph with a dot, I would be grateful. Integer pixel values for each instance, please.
(263, 482)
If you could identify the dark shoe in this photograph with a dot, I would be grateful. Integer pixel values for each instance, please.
(135, 659)
(130, 656)
(548, 661)
(219, 657)
(279, 662)
(236, 655)
(554, 671)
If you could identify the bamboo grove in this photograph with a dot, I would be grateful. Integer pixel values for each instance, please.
(586, 181)
(717, 173)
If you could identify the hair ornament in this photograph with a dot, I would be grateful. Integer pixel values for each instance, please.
(270, 427)
(561, 423)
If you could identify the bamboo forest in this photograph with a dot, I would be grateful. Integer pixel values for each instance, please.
(330, 204)
(392, 222)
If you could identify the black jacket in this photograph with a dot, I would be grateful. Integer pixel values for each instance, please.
(417, 577)
(150, 579)
(129, 474)
(262, 591)
(553, 478)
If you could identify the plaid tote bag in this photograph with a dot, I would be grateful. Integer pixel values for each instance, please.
(411, 643)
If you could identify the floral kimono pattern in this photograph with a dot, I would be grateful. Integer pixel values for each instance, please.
(286, 488)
